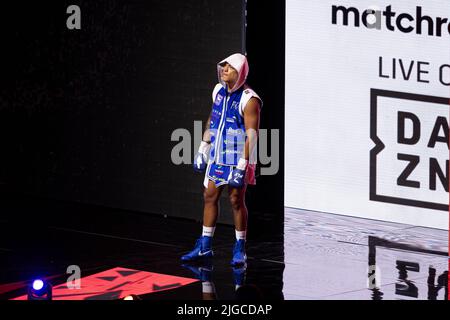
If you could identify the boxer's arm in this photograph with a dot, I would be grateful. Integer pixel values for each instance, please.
(206, 133)
(251, 121)
(202, 156)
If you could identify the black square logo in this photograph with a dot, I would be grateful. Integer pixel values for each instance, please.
(410, 161)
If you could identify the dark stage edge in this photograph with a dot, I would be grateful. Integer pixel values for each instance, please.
(323, 256)
(44, 237)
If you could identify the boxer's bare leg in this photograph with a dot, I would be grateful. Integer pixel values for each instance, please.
(211, 197)
(237, 201)
(203, 246)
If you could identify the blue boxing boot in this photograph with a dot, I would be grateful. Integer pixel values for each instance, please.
(239, 275)
(202, 272)
(239, 256)
(202, 249)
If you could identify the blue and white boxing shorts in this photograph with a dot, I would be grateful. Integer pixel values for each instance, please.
(220, 174)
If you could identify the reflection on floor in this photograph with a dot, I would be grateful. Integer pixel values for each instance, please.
(323, 256)
(337, 257)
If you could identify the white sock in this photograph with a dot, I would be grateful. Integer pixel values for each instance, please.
(241, 235)
(208, 231)
(208, 287)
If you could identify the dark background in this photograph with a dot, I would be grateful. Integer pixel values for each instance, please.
(86, 116)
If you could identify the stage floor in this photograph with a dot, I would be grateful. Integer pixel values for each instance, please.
(330, 257)
(323, 256)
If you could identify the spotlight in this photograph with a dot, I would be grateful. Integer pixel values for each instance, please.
(131, 297)
(40, 290)
(38, 284)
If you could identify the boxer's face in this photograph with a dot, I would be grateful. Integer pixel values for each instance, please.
(229, 74)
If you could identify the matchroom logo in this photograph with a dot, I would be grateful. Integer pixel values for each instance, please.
(410, 161)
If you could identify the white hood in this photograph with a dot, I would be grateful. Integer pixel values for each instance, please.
(239, 62)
